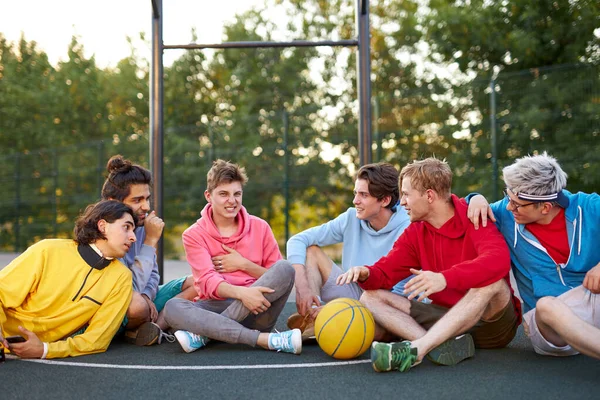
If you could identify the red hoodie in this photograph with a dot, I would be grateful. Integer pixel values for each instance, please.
(254, 240)
(467, 258)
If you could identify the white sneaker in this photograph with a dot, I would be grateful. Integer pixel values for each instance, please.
(190, 341)
(288, 341)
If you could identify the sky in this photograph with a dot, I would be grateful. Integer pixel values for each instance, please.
(103, 25)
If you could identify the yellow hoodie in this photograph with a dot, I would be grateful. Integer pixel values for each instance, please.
(53, 291)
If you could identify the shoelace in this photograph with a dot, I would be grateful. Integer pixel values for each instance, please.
(167, 337)
(198, 338)
(403, 358)
(281, 341)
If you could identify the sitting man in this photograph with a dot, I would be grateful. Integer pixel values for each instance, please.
(241, 280)
(367, 231)
(68, 297)
(144, 324)
(464, 272)
(552, 235)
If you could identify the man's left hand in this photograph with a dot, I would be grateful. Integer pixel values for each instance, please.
(592, 280)
(424, 284)
(32, 348)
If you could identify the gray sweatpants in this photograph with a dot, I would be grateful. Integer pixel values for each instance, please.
(228, 320)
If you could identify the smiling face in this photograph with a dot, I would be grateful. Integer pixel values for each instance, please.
(524, 212)
(367, 206)
(139, 201)
(119, 236)
(226, 201)
(415, 202)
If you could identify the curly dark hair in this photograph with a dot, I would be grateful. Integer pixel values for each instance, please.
(383, 181)
(122, 174)
(86, 227)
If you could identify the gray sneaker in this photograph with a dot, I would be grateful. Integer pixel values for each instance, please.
(453, 351)
(148, 334)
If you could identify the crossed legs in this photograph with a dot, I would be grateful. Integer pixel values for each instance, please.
(392, 315)
(561, 326)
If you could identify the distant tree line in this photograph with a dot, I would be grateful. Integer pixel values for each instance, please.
(289, 115)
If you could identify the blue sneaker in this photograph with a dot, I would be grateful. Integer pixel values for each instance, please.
(288, 341)
(190, 341)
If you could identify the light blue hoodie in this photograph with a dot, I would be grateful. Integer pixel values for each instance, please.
(362, 244)
(535, 272)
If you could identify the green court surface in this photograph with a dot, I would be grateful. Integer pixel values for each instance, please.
(223, 371)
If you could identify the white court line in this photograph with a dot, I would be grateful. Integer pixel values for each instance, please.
(197, 367)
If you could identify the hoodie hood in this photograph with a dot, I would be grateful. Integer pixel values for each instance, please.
(399, 218)
(456, 226)
(207, 224)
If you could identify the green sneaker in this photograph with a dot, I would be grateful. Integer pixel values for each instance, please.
(453, 351)
(388, 356)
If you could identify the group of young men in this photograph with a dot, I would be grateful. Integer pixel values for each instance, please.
(429, 266)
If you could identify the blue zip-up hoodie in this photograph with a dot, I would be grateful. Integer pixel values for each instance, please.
(536, 273)
(362, 244)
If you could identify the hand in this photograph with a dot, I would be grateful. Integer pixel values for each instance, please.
(592, 280)
(151, 308)
(314, 312)
(153, 226)
(231, 262)
(32, 348)
(254, 300)
(479, 207)
(354, 274)
(305, 300)
(424, 284)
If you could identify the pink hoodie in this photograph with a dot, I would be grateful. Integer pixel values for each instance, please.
(254, 240)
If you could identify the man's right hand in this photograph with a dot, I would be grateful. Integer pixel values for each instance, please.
(479, 208)
(305, 300)
(353, 275)
(254, 300)
(153, 226)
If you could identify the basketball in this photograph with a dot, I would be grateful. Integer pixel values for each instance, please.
(344, 328)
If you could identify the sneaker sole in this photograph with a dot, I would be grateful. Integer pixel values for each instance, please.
(182, 337)
(297, 341)
(147, 334)
(453, 351)
(375, 352)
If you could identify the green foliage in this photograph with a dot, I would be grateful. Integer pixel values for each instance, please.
(289, 114)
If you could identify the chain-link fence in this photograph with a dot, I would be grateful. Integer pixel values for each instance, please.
(300, 162)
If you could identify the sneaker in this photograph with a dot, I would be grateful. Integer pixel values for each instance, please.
(190, 341)
(389, 356)
(306, 326)
(146, 334)
(288, 341)
(453, 351)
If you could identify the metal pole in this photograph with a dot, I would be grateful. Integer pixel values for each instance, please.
(286, 160)
(156, 120)
(250, 44)
(363, 83)
(377, 133)
(494, 139)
